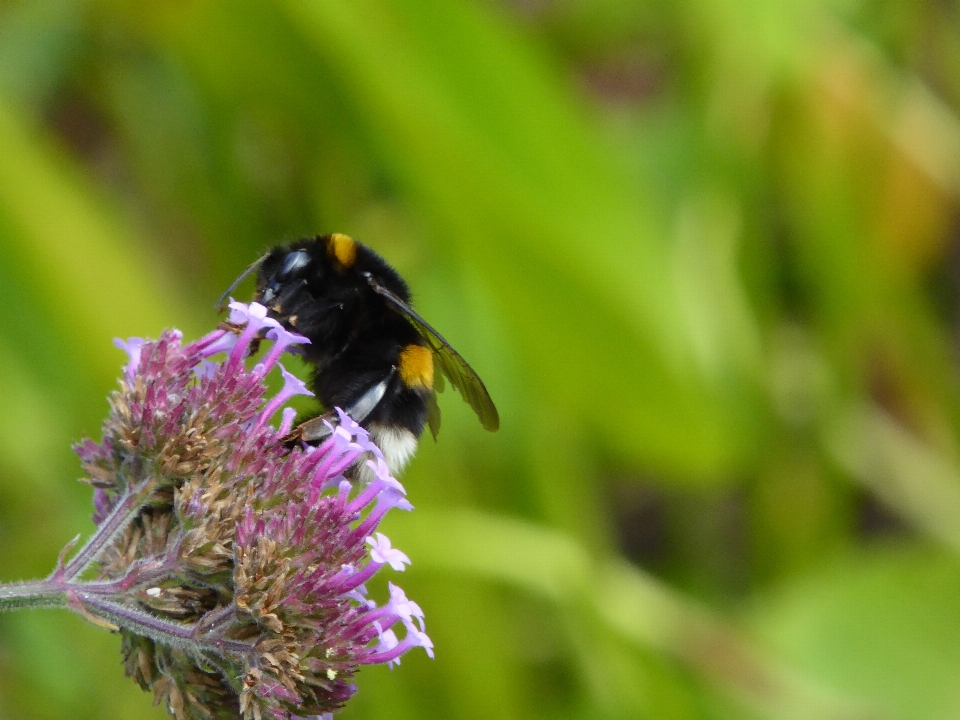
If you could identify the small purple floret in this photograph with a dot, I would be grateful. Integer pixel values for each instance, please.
(254, 318)
(407, 610)
(132, 347)
(292, 386)
(282, 339)
(382, 552)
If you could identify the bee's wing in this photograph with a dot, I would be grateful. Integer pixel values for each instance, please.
(461, 375)
(433, 415)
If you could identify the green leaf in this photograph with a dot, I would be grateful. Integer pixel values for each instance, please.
(883, 626)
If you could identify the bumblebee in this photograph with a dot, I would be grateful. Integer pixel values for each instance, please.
(372, 355)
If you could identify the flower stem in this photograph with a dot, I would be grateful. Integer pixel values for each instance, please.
(39, 593)
(107, 603)
(121, 515)
(92, 601)
(167, 632)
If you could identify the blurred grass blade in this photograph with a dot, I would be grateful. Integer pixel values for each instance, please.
(629, 602)
(92, 285)
(912, 477)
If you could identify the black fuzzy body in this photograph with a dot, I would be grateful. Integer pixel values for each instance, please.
(356, 337)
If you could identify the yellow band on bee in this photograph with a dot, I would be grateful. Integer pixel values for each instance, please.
(343, 248)
(416, 366)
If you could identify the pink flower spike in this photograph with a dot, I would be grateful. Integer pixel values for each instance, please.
(382, 552)
(284, 534)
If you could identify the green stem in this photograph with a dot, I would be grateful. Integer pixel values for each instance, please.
(122, 515)
(106, 602)
(40, 593)
(110, 602)
(167, 632)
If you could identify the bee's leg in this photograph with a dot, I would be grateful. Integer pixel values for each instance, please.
(316, 429)
(312, 431)
(230, 327)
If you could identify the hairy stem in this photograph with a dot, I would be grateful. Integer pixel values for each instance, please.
(40, 593)
(122, 514)
(108, 603)
(167, 632)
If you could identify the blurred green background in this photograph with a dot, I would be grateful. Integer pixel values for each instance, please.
(705, 255)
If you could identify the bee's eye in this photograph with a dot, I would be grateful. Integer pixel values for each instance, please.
(293, 262)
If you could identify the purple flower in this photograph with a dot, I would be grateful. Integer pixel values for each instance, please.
(381, 552)
(254, 318)
(282, 339)
(233, 566)
(292, 386)
(407, 610)
(132, 347)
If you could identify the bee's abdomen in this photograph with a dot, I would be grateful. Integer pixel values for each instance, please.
(398, 445)
(415, 365)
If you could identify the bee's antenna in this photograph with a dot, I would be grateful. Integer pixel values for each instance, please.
(255, 265)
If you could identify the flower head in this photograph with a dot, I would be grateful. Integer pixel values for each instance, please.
(235, 567)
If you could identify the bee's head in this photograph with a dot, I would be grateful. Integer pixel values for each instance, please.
(281, 269)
